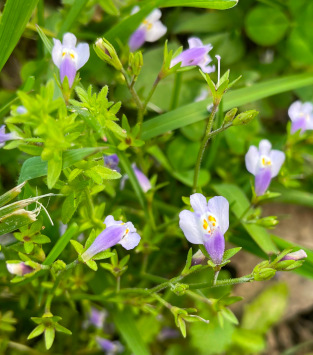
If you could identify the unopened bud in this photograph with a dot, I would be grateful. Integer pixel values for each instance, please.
(198, 258)
(264, 274)
(245, 117)
(179, 289)
(19, 268)
(297, 255)
(135, 63)
(268, 222)
(107, 53)
(230, 115)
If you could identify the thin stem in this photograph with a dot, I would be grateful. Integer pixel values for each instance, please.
(154, 86)
(204, 143)
(118, 284)
(215, 277)
(195, 296)
(229, 282)
(162, 301)
(176, 90)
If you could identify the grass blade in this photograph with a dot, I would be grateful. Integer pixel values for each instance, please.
(185, 115)
(72, 15)
(15, 16)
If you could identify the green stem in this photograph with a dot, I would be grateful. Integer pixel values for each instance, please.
(162, 301)
(215, 277)
(154, 86)
(176, 90)
(118, 284)
(206, 138)
(229, 282)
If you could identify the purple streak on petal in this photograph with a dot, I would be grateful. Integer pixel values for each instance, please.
(262, 181)
(297, 255)
(298, 124)
(215, 246)
(137, 39)
(106, 345)
(19, 269)
(144, 182)
(105, 240)
(111, 161)
(68, 68)
(190, 57)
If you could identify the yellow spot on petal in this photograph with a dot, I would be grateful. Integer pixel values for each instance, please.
(212, 219)
(147, 24)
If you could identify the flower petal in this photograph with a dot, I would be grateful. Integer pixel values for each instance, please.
(57, 52)
(156, 32)
(298, 124)
(309, 123)
(189, 57)
(252, 159)
(144, 182)
(277, 157)
(195, 42)
(105, 240)
(130, 241)
(189, 224)
(262, 181)
(137, 39)
(215, 246)
(199, 204)
(110, 221)
(265, 147)
(154, 16)
(83, 54)
(69, 40)
(219, 207)
(294, 110)
(307, 108)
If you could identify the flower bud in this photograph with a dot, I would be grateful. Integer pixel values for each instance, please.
(297, 255)
(198, 258)
(135, 63)
(263, 274)
(245, 117)
(230, 115)
(19, 269)
(107, 53)
(179, 289)
(268, 222)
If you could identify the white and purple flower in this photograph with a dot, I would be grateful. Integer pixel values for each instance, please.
(110, 347)
(207, 224)
(297, 255)
(144, 182)
(97, 317)
(264, 163)
(68, 57)
(19, 269)
(116, 232)
(111, 161)
(150, 30)
(197, 54)
(301, 115)
(4, 137)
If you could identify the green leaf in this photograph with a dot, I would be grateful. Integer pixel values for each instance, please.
(47, 42)
(194, 112)
(239, 204)
(54, 170)
(126, 326)
(16, 220)
(60, 328)
(11, 194)
(36, 167)
(230, 253)
(13, 21)
(49, 337)
(266, 25)
(77, 246)
(92, 264)
(71, 231)
(72, 15)
(37, 331)
(109, 7)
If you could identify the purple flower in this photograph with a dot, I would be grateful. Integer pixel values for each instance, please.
(297, 255)
(197, 54)
(68, 57)
(111, 161)
(97, 317)
(142, 179)
(150, 30)
(110, 347)
(21, 110)
(168, 333)
(207, 224)
(19, 269)
(6, 136)
(301, 115)
(264, 163)
(116, 232)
